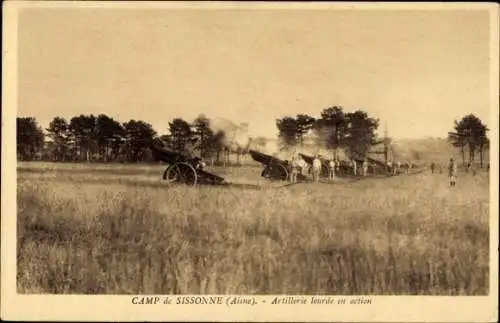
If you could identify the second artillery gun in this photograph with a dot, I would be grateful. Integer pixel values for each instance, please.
(274, 168)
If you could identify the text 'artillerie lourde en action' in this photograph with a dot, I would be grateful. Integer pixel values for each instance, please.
(251, 300)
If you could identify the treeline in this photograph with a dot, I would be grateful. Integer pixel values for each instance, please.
(470, 134)
(354, 132)
(84, 138)
(101, 138)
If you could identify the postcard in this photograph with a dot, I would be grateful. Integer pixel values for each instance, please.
(250, 161)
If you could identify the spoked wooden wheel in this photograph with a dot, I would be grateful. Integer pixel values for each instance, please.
(275, 172)
(171, 174)
(181, 173)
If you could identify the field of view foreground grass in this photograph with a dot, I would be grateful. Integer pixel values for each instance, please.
(98, 229)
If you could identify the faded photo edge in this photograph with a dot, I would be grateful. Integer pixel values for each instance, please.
(16, 306)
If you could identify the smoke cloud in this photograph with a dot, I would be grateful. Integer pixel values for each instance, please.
(235, 136)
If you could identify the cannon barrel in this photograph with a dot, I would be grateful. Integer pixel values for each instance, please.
(265, 159)
(308, 159)
(371, 160)
(375, 161)
(169, 156)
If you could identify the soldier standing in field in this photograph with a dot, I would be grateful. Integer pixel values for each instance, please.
(295, 170)
(394, 169)
(300, 165)
(365, 167)
(398, 165)
(337, 165)
(407, 167)
(389, 167)
(316, 169)
(452, 172)
(331, 170)
(354, 166)
(469, 167)
(472, 169)
(433, 166)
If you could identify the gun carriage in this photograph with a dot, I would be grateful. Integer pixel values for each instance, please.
(376, 166)
(184, 169)
(274, 168)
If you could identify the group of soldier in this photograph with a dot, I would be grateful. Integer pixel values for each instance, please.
(452, 169)
(333, 166)
(298, 164)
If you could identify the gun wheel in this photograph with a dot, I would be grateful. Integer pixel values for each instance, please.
(181, 173)
(171, 174)
(275, 172)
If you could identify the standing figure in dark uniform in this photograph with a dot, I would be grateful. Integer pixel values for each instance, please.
(452, 172)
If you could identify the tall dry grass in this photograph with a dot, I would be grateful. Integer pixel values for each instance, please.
(402, 235)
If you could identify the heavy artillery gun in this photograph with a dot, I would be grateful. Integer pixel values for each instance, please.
(374, 165)
(377, 166)
(274, 168)
(184, 168)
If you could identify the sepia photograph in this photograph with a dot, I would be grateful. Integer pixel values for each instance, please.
(310, 154)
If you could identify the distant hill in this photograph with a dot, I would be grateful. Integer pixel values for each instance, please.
(428, 150)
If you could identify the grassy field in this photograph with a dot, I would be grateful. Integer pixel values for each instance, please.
(111, 229)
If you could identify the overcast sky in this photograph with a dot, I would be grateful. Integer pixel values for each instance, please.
(415, 70)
